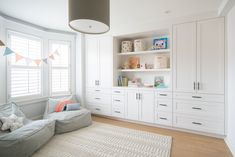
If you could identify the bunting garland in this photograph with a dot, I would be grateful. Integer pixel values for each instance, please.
(19, 57)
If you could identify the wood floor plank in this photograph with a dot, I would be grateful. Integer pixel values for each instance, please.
(184, 144)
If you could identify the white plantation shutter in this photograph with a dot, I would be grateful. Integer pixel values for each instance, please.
(25, 77)
(60, 68)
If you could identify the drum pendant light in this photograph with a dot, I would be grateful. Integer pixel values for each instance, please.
(89, 16)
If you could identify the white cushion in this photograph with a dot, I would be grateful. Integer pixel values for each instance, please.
(12, 122)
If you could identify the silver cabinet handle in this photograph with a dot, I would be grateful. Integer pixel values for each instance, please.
(117, 92)
(163, 118)
(136, 96)
(117, 100)
(196, 108)
(162, 104)
(97, 109)
(196, 123)
(117, 111)
(163, 94)
(97, 90)
(198, 97)
(140, 96)
(97, 98)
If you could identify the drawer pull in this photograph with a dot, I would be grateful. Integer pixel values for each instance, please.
(163, 94)
(97, 98)
(117, 100)
(196, 108)
(97, 109)
(198, 97)
(163, 118)
(163, 104)
(196, 123)
(117, 111)
(97, 90)
(117, 92)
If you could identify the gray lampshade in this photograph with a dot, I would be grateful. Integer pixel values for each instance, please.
(89, 16)
(1, 43)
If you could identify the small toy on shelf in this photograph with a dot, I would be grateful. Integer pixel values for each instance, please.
(135, 82)
(159, 82)
(134, 62)
(160, 43)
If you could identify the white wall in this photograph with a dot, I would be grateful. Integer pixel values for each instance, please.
(231, 80)
(34, 108)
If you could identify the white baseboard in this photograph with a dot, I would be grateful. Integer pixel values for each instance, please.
(229, 146)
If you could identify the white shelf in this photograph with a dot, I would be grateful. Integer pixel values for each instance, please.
(144, 70)
(144, 52)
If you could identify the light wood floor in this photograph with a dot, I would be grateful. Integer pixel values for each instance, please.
(183, 144)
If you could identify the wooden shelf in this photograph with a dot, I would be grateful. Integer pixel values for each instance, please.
(144, 70)
(144, 52)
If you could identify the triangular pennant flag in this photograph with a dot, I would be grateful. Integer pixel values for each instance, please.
(28, 60)
(52, 57)
(57, 53)
(37, 61)
(1, 43)
(45, 60)
(18, 57)
(8, 51)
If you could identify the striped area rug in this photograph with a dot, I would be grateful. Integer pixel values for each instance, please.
(102, 140)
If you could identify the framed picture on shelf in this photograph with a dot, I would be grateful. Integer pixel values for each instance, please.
(159, 82)
(160, 43)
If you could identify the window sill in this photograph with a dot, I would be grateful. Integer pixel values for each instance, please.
(25, 102)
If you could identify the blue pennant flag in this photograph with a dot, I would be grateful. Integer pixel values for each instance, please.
(8, 51)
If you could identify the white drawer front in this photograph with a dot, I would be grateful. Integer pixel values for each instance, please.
(98, 98)
(99, 90)
(163, 118)
(163, 95)
(199, 97)
(118, 100)
(197, 108)
(215, 126)
(99, 109)
(163, 105)
(118, 112)
(118, 91)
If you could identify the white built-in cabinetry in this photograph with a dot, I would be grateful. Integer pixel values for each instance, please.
(198, 52)
(195, 97)
(99, 73)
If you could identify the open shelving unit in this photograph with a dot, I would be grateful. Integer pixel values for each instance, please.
(147, 76)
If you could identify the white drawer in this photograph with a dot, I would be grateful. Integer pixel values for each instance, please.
(118, 100)
(99, 98)
(163, 95)
(163, 105)
(99, 109)
(215, 126)
(163, 118)
(118, 91)
(99, 90)
(199, 97)
(118, 112)
(198, 108)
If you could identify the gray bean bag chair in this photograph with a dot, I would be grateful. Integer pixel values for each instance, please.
(67, 121)
(24, 141)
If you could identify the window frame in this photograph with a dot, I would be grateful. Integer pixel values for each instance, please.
(9, 67)
(63, 93)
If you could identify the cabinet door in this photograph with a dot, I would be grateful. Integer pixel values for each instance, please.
(184, 55)
(147, 106)
(210, 56)
(132, 111)
(106, 62)
(92, 68)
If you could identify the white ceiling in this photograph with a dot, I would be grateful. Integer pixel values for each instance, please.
(53, 14)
